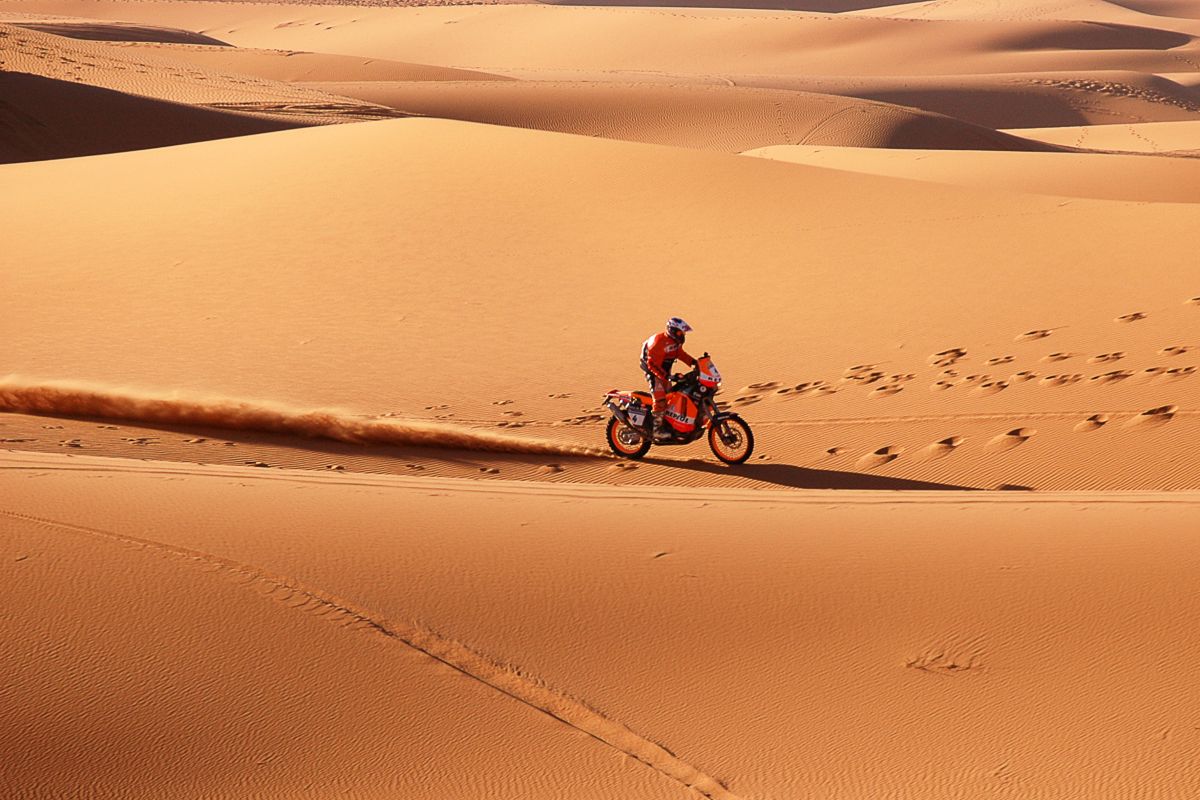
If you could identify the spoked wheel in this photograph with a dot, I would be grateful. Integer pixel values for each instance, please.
(625, 441)
(731, 440)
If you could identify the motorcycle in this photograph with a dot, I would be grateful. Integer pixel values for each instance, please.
(691, 413)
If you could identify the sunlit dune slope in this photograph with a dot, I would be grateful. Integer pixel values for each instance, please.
(1096, 175)
(1157, 137)
(256, 623)
(140, 669)
(856, 313)
(710, 117)
(289, 65)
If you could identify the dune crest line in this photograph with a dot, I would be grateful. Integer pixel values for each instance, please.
(78, 398)
(501, 677)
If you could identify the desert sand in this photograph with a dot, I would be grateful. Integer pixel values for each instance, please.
(311, 309)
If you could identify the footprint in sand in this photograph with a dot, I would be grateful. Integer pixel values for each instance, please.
(1093, 423)
(1023, 375)
(15, 441)
(502, 402)
(559, 396)
(1112, 377)
(862, 374)
(256, 463)
(747, 400)
(71, 443)
(1061, 380)
(1014, 438)
(1193, 301)
(1175, 350)
(622, 466)
(886, 391)
(1133, 317)
(550, 469)
(1180, 372)
(834, 452)
(139, 440)
(947, 358)
(1029, 336)
(940, 449)
(1105, 358)
(991, 362)
(991, 387)
(756, 386)
(200, 440)
(108, 427)
(884, 455)
(513, 413)
(941, 386)
(1052, 357)
(489, 470)
(1153, 417)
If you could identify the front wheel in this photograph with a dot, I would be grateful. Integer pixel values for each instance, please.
(625, 441)
(731, 439)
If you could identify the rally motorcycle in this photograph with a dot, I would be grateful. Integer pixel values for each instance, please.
(691, 412)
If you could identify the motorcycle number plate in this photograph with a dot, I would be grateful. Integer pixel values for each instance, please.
(637, 417)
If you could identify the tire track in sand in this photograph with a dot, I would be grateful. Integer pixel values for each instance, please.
(504, 679)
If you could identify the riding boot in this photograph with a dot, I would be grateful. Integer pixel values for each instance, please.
(660, 431)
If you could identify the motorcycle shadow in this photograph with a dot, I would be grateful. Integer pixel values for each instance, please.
(806, 478)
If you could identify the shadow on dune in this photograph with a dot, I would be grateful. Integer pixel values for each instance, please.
(795, 477)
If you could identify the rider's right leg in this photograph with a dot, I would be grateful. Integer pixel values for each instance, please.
(658, 389)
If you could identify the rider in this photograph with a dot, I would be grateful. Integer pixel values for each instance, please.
(658, 355)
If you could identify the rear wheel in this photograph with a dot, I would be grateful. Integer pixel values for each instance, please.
(625, 441)
(731, 440)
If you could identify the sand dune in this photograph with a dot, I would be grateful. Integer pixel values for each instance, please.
(709, 117)
(115, 89)
(1016, 100)
(1158, 15)
(304, 486)
(1154, 137)
(290, 65)
(830, 628)
(779, 236)
(43, 118)
(1095, 175)
(118, 32)
(602, 40)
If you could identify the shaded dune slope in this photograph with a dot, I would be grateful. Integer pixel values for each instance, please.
(43, 118)
(1017, 100)
(119, 32)
(84, 97)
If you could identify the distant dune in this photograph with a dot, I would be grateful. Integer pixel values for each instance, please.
(710, 117)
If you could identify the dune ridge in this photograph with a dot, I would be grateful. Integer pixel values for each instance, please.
(95, 400)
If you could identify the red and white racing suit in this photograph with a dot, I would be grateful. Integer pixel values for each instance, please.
(658, 355)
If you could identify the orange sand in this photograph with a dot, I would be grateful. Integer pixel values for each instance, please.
(303, 483)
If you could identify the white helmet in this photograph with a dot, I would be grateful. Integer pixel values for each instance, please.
(677, 328)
